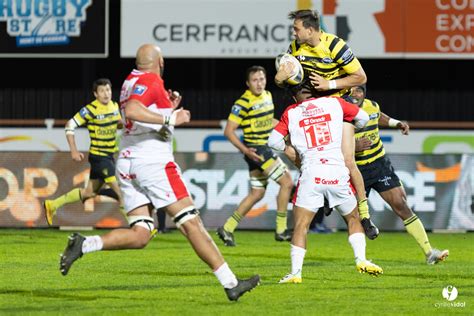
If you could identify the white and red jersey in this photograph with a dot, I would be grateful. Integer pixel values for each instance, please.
(145, 139)
(315, 129)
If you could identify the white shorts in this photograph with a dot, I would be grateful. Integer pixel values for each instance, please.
(332, 182)
(143, 182)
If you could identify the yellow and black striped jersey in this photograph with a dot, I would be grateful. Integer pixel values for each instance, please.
(371, 131)
(101, 122)
(254, 114)
(331, 59)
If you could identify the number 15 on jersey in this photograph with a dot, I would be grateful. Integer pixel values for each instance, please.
(317, 131)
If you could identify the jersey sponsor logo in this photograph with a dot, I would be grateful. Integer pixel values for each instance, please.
(347, 55)
(83, 112)
(312, 110)
(139, 89)
(373, 116)
(315, 120)
(385, 180)
(318, 180)
(327, 60)
(263, 124)
(236, 109)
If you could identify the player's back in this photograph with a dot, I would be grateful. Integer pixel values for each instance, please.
(144, 139)
(315, 128)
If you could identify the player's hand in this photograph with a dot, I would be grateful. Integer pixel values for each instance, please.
(284, 72)
(175, 98)
(77, 156)
(252, 154)
(404, 128)
(362, 144)
(182, 116)
(318, 82)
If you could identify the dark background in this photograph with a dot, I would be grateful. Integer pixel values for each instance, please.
(416, 90)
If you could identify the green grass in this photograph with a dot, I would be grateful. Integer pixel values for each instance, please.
(167, 277)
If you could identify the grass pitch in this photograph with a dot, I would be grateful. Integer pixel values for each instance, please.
(167, 278)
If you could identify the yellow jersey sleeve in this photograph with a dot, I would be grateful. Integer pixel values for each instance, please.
(239, 111)
(84, 115)
(343, 55)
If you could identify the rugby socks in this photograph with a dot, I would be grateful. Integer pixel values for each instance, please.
(415, 228)
(225, 276)
(297, 258)
(91, 244)
(363, 207)
(281, 222)
(72, 196)
(232, 222)
(357, 241)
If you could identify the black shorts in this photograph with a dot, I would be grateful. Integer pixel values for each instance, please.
(379, 175)
(102, 168)
(268, 158)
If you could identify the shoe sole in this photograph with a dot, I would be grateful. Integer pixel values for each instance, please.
(441, 258)
(293, 281)
(371, 272)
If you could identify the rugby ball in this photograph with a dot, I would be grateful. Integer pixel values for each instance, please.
(298, 73)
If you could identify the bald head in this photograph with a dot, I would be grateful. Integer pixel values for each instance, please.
(149, 58)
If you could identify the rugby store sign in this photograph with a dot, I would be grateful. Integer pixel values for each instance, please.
(261, 28)
(54, 28)
(439, 189)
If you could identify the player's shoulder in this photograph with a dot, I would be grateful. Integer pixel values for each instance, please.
(331, 41)
(371, 103)
(245, 99)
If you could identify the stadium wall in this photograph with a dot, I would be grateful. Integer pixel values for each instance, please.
(439, 189)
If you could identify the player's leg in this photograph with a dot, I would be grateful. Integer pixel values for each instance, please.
(278, 172)
(396, 198)
(135, 237)
(302, 220)
(115, 187)
(258, 184)
(349, 212)
(189, 223)
(348, 150)
(307, 200)
(75, 195)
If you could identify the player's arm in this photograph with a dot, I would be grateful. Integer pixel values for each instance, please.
(277, 139)
(79, 119)
(387, 121)
(343, 55)
(353, 79)
(134, 110)
(283, 73)
(230, 133)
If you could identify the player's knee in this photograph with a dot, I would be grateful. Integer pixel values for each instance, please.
(142, 238)
(87, 194)
(286, 182)
(188, 217)
(143, 227)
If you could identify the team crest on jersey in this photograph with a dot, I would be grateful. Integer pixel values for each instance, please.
(83, 112)
(236, 109)
(139, 89)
